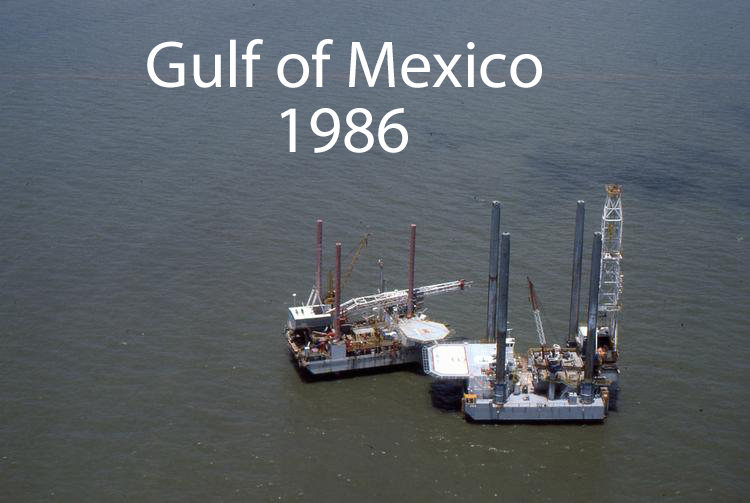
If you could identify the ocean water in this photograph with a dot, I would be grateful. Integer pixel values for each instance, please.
(152, 239)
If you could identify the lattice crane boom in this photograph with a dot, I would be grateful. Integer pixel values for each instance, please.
(354, 254)
(537, 313)
(398, 297)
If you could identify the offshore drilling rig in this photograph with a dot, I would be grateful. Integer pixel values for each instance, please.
(578, 382)
(381, 330)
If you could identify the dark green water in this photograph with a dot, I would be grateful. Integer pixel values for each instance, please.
(151, 240)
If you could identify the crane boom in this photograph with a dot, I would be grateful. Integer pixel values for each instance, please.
(398, 297)
(537, 313)
(355, 256)
(354, 253)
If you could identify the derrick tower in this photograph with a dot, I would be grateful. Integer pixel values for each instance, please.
(610, 284)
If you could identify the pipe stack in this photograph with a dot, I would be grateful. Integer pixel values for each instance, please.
(587, 391)
(319, 261)
(575, 288)
(492, 282)
(412, 246)
(502, 320)
(337, 321)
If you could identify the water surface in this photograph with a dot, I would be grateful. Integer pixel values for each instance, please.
(152, 239)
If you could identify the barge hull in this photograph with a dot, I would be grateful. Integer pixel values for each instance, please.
(353, 363)
(535, 408)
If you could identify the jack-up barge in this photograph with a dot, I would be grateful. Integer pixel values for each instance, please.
(382, 330)
(578, 382)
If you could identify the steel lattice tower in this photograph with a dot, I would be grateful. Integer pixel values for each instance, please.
(610, 284)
